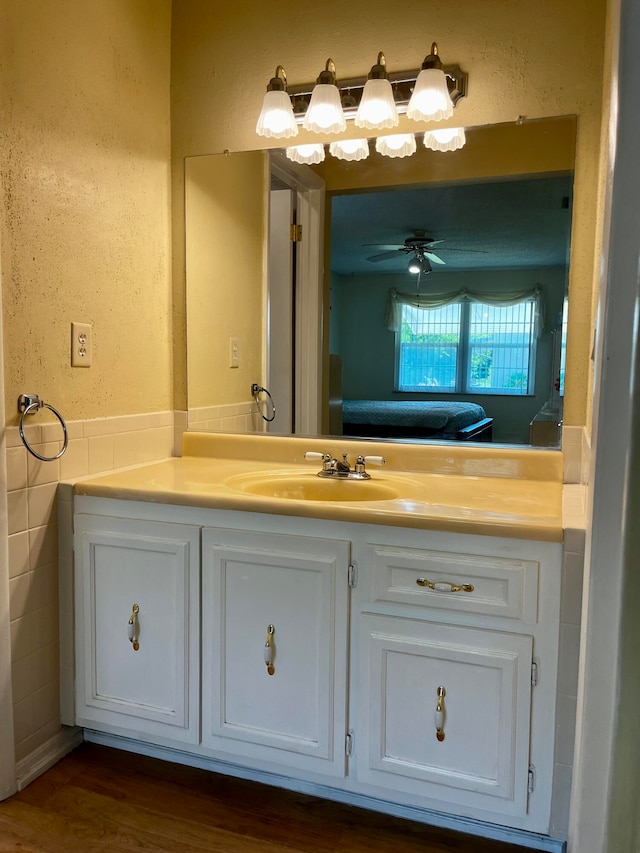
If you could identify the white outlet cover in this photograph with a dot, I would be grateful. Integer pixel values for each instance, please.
(81, 345)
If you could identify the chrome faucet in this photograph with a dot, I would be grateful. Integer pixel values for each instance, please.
(340, 469)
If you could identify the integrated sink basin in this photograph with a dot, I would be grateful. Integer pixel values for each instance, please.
(309, 487)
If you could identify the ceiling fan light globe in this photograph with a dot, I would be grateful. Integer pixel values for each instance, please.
(324, 114)
(430, 100)
(306, 155)
(350, 149)
(396, 145)
(419, 264)
(276, 119)
(446, 139)
(377, 109)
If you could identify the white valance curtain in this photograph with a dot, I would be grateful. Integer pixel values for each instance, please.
(393, 315)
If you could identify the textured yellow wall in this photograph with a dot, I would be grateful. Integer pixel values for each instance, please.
(534, 60)
(84, 154)
(225, 196)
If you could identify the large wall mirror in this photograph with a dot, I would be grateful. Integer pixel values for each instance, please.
(347, 336)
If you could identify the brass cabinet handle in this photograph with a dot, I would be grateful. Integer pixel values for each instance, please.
(269, 650)
(439, 715)
(445, 586)
(132, 628)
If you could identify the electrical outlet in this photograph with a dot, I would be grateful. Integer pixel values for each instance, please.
(234, 352)
(81, 345)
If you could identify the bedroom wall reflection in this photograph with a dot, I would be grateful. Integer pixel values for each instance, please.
(501, 208)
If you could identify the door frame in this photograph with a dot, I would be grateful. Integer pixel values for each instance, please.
(309, 281)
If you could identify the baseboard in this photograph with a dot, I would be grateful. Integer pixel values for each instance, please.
(45, 756)
(530, 840)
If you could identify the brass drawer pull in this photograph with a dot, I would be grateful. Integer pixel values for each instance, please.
(439, 715)
(132, 628)
(445, 586)
(269, 650)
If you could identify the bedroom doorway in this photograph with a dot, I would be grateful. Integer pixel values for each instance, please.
(466, 317)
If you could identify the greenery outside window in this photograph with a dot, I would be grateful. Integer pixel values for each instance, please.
(464, 345)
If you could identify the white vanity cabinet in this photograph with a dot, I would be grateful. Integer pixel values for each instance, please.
(324, 654)
(137, 586)
(446, 674)
(275, 648)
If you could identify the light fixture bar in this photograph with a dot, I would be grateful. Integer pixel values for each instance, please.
(401, 81)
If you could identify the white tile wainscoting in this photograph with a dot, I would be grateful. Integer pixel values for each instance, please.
(102, 444)
(239, 417)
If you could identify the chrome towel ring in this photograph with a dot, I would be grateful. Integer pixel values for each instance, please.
(256, 390)
(29, 404)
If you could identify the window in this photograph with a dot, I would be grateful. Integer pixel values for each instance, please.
(467, 347)
(563, 346)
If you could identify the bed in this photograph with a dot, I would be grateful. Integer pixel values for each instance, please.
(450, 421)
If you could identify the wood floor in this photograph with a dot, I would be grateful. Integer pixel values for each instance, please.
(99, 799)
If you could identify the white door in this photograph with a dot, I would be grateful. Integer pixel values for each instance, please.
(445, 712)
(274, 617)
(137, 626)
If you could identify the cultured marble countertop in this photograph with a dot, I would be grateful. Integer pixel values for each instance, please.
(491, 491)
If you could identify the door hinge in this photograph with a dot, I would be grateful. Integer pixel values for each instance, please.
(349, 743)
(535, 672)
(531, 779)
(353, 575)
(295, 232)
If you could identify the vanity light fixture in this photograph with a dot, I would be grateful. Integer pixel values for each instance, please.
(343, 101)
(445, 139)
(431, 100)
(396, 145)
(276, 119)
(325, 108)
(306, 155)
(350, 149)
(377, 109)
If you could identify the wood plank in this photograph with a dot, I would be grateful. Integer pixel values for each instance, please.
(100, 800)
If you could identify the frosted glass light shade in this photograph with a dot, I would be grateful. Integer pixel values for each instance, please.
(377, 108)
(306, 154)
(396, 145)
(446, 139)
(276, 119)
(430, 100)
(350, 149)
(324, 114)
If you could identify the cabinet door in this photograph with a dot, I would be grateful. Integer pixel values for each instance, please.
(481, 757)
(293, 713)
(154, 688)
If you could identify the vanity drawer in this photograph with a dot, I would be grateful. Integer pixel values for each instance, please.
(467, 583)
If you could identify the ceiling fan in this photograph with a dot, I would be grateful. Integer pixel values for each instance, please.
(420, 246)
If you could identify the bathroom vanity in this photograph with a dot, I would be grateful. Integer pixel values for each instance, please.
(398, 653)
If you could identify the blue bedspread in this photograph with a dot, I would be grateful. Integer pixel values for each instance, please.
(437, 415)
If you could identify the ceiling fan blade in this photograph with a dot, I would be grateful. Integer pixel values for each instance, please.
(472, 251)
(434, 258)
(386, 256)
(385, 245)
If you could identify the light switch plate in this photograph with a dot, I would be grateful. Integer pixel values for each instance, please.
(81, 349)
(234, 352)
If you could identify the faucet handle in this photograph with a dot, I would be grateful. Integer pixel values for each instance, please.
(362, 460)
(325, 458)
(374, 460)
